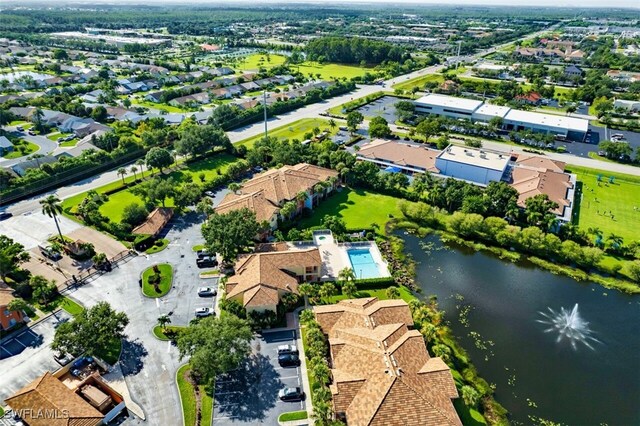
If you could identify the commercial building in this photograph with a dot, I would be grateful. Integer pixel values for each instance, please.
(513, 120)
(382, 372)
(477, 166)
(409, 158)
(8, 319)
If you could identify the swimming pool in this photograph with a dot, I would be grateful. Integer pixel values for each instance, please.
(363, 264)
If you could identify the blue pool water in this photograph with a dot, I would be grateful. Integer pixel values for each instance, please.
(363, 264)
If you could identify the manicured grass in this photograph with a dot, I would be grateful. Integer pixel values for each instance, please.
(55, 135)
(469, 416)
(158, 246)
(153, 105)
(166, 274)
(114, 206)
(188, 398)
(326, 71)
(30, 148)
(598, 199)
(1, 412)
(159, 332)
(381, 294)
(71, 307)
(295, 130)
(197, 247)
(419, 82)
(294, 415)
(358, 208)
(255, 61)
(69, 144)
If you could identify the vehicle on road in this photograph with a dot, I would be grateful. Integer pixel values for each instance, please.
(20, 129)
(204, 312)
(5, 215)
(287, 349)
(206, 291)
(31, 132)
(291, 394)
(288, 360)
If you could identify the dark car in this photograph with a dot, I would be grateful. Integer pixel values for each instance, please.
(202, 253)
(5, 215)
(288, 360)
(291, 394)
(206, 262)
(49, 253)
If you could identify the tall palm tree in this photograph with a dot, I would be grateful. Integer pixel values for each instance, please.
(52, 208)
(140, 163)
(615, 240)
(133, 170)
(121, 172)
(346, 274)
(332, 123)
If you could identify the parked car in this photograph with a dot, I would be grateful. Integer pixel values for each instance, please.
(31, 132)
(206, 262)
(20, 128)
(202, 253)
(209, 194)
(288, 360)
(62, 358)
(204, 312)
(287, 349)
(49, 253)
(291, 394)
(5, 215)
(206, 291)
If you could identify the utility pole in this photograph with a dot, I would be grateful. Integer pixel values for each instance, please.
(458, 59)
(264, 108)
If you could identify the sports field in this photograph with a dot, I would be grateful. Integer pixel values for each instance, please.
(614, 208)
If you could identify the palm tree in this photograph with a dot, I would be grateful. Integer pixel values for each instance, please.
(140, 163)
(332, 123)
(327, 290)
(306, 290)
(597, 233)
(52, 208)
(121, 172)
(393, 292)
(163, 320)
(615, 240)
(346, 274)
(469, 396)
(349, 289)
(234, 187)
(288, 209)
(133, 170)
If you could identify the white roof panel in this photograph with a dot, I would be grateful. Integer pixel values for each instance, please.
(444, 101)
(549, 120)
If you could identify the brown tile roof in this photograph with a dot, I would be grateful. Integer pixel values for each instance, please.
(6, 294)
(545, 164)
(156, 221)
(261, 277)
(49, 394)
(274, 186)
(401, 154)
(531, 182)
(254, 201)
(382, 372)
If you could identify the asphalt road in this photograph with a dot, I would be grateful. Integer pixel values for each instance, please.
(149, 365)
(46, 146)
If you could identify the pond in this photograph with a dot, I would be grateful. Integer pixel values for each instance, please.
(556, 349)
(11, 77)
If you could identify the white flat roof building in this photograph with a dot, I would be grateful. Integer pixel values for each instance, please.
(448, 102)
(479, 166)
(487, 111)
(546, 122)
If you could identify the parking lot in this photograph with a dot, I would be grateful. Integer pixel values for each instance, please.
(383, 107)
(249, 395)
(28, 355)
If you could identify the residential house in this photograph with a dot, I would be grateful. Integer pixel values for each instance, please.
(21, 168)
(531, 98)
(91, 127)
(5, 145)
(195, 98)
(93, 97)
(573, 71)
(8, 319)
(154, 97)
(382, 373)
(261, 279)
(245, 104)
(267, 192)
(236, 90)
(250, 86)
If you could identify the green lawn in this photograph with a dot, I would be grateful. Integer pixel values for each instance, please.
(113, 208)
(71, 307)
(326, 71)
(29, 148)
(112, 353)
(598, 200)
(358, 208)
(295, 130)
(158, 246)
(159, 332)
(153, 105)
(381, 294)
(294, 415)
(55, 135)
(166, 274)
(419, 81)
(188, 398)
(197, 247)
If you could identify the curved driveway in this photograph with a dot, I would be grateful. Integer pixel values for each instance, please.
(46, 146)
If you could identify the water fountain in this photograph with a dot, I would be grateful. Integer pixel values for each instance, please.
(570, 325)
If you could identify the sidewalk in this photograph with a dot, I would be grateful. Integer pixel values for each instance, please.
(115, 378)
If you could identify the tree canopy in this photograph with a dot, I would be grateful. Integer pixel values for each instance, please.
(228, 233)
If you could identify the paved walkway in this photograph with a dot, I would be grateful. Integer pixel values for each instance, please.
(115, 378)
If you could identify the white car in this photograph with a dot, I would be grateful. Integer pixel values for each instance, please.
(204, 312)
(287, 349)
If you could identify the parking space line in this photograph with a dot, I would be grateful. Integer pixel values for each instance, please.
(21, 344)
(7, 351)
(223, 418)
(289, 377)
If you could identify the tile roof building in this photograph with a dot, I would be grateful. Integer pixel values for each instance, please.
(381, 369)
(8, 319)
(156, 221)
(412, 158)
(48, 402)
(262, 278)
(266, 193)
